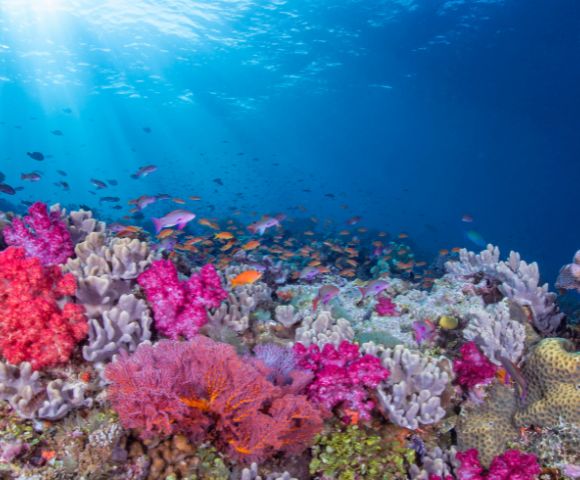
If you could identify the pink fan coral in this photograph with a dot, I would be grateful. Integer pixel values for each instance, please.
(35, 326)
(473, 368)
(510, 465)
(180, 308)
(42, 234)
(200, 386)
(342, 376)
(385, 307)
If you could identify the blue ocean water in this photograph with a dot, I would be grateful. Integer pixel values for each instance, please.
(409, 113)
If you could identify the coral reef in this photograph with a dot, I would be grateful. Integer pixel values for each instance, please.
(31, 302)
(322, 328)
(552, 374)
(510, 465)
(353, 453)
(569, 276)
(180, 308)
(435, 463)
(342, 377)
(252, 474)
(412, 395)
(79, 223)
(473, 368)
(19, 386)
(41, 234)
(517, 280)
(191, 387)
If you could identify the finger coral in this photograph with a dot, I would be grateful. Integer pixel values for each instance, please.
(180, 308)
(35, 325)
(342, 376)
(200, 386)
(42, 234)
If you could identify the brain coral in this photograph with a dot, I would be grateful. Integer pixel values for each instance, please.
(552, 373)
(489, 427)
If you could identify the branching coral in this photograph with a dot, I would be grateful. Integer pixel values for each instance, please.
(342, 377)
(322, 328)
(192, 387)
(516, 279)
(34, 327)
(180, 308)
(412, 394)
(42, 234)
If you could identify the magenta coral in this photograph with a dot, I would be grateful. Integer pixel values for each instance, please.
(34, 325)
(203, 389)
(473, 368)
(42, 234)
(180, 308)
(342, 376)
(385, 307)
(510, 465)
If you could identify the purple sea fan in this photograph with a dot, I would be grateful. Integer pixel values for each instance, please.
(42, 234)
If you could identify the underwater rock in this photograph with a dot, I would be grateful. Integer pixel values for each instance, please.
(412, 395)
(552, 374)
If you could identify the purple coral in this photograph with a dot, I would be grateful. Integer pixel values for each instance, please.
(473, 368)
(510, 465)
(42, 234)
(180, 308)
(342, 376)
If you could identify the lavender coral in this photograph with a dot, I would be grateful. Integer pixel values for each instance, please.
(42, 234)
(180, 308)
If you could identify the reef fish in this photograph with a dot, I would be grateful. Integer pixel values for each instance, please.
(325, 294)
(373, 288)
(98, 183)
(144, 171)
(36, 156)
(7, 189)
(143, 201)
(31, 177)
(261, 226)
(246, 278)
(179, 218)
(309, 273)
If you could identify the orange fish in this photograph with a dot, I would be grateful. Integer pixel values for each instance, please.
(165, 233)
(208, 223)
(403, 235)
(227, 246)
(314, 263)
(195, 198)
(251, 245)
(443, 252)
(178, 200)
(347, 272)
(344, 232)
(223, 236)
(456, 249)
(405, 266)
(421, 264)
(246, 278)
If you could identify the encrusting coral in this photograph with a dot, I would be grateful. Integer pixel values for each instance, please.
(552, 374)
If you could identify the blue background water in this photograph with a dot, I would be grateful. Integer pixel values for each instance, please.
(411, 112)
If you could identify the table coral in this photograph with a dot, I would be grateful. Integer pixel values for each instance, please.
(42, 234)
(180, 307)
(552, 373)
(32, 303)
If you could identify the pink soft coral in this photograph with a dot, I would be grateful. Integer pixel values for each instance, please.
(180, 308)
(385, 307)
(34, 325)
(42, 234)
(510, 465)
(473, 368)
(342, 376)
(203, 389)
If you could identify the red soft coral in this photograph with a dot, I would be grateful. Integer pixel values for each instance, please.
(510, 465)
(342, 376)
(180, 308)
(33, 327)
(385, 307)
(473, 368)
(42, 234)
(201, 387)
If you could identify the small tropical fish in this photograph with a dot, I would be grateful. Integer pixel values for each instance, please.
(309, 273)
(208, 223)
(63, 185)
(32, 176)
(57, 133)
(38, 156)
(180, 201)
(467, 218)
(443, 252)
(166, 233)
(476, 238)
(224, 236)
(179, 218)
(194, 198)
(325, 294)
(218, 181)
(251, 245)
(143, 201)
(354, 220)
(373, 288)
(246, 278)
(147, 129)
(447, 322)
(144, 171)
(268, 222)
(7, 189)
(424, 331)
(61, 172)
(98, 183)
(403, 235)
(110, 199)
